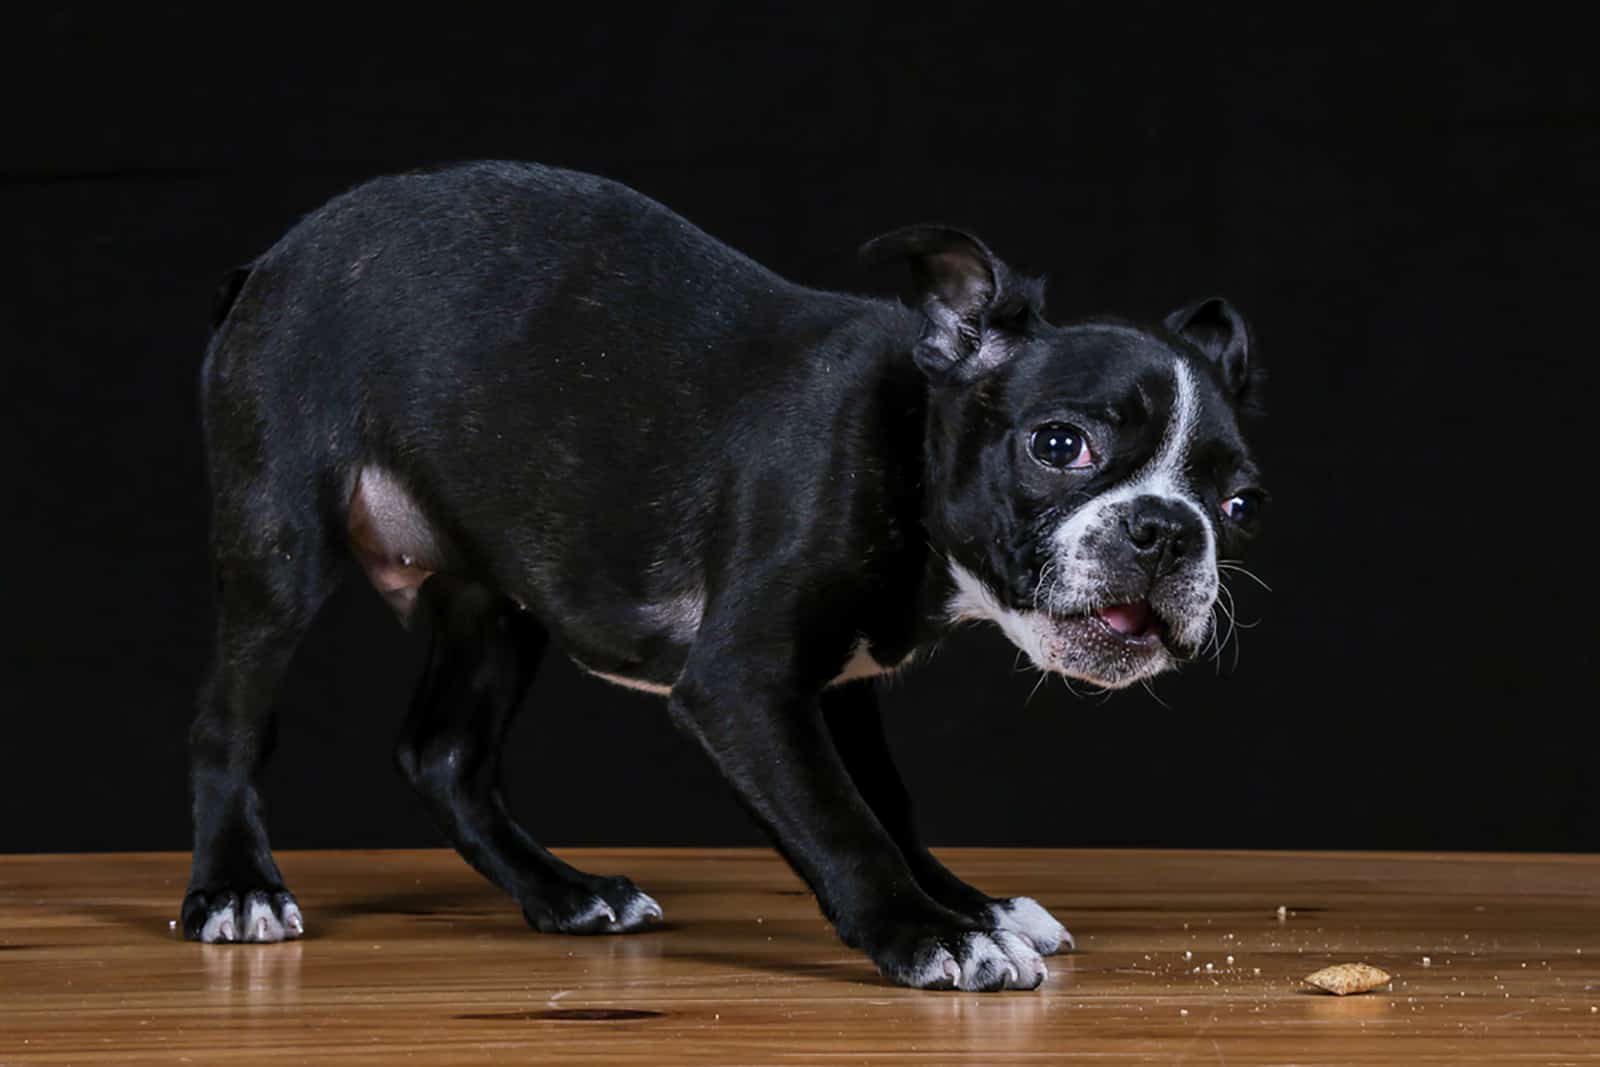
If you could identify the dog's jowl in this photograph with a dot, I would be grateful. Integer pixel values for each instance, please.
(534, 406)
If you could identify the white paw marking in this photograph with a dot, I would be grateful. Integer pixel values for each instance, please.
(935, 968)
(294, 924)
(594, 912)
(260, 924)
(1027, 963)
(1024, 916)
(219, 927)
(640, 910)
(1002, 952)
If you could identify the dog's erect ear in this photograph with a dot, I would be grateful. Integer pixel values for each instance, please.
(1217, 329)
(975, 310)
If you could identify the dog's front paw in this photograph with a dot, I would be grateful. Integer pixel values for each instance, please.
(225, 914)
(598, 906)
(1024, 917)
(952, 957)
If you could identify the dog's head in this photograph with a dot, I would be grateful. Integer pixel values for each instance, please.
(1084, 481)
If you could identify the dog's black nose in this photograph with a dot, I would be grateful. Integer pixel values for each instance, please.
(1164, 533)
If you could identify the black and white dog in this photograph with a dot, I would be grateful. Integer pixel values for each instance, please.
(534, 404)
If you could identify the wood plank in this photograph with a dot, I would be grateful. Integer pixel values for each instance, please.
(1183, 958)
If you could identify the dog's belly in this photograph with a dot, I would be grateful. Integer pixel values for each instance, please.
(391, 539)
(640, 642)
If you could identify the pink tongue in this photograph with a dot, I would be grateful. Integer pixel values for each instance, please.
(1131, 619)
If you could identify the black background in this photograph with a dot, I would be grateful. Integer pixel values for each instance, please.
(1399, 202)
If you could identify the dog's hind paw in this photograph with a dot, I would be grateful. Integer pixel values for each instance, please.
(223, 916)
(599, 906)
(1025, 917)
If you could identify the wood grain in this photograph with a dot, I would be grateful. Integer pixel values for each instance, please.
(1183, 958)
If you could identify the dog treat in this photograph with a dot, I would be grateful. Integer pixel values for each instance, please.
(1343, 978)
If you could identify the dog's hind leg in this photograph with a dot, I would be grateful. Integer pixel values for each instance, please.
(485, 650)
(856, 723)
(274, 567)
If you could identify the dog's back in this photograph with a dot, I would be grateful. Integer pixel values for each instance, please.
(508, 370)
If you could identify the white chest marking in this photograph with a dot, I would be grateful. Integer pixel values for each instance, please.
(860, 665)
(631, 683)
(974, 602)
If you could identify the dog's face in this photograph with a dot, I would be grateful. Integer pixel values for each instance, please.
(1085, 482)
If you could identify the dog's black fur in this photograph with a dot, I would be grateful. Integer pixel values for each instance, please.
(533, 404)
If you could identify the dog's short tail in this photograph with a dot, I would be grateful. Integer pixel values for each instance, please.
(227, 293)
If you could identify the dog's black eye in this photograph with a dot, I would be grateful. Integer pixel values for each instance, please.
(1244, 509)
(1061, 446)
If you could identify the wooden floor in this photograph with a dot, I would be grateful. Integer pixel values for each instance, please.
(1184, 958)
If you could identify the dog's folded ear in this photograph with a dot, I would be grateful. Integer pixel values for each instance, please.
(1217, 329)
(976, 311)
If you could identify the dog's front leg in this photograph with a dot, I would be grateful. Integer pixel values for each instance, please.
(765, 733)
(855, 722)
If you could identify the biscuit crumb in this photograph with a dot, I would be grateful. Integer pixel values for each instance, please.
(1345, 978)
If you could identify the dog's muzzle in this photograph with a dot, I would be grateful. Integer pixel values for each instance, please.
(1131, 589)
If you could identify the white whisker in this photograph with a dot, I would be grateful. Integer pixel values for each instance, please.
(1226, 606)
(1237, 567)
(1148, 688)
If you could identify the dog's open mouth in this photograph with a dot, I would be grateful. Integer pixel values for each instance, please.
(1135, 624)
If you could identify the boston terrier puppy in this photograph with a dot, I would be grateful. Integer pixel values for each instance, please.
(535, 405)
